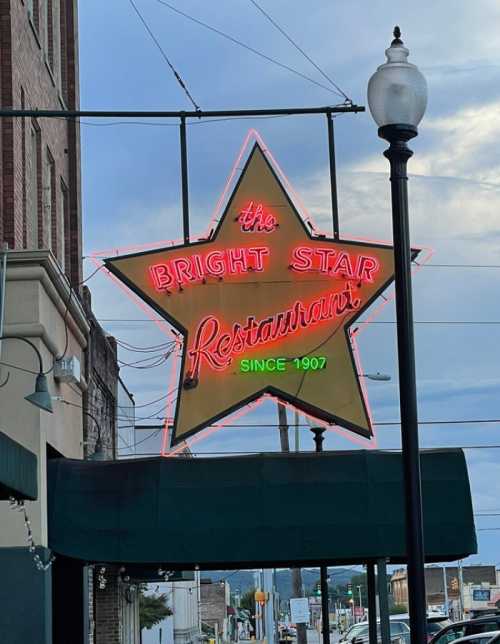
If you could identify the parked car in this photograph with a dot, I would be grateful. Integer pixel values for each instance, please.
(358, 633)
(459, 630)
(491, 637)
(435, 622)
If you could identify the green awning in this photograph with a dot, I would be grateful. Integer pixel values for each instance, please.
(271, 510)
(18, 471)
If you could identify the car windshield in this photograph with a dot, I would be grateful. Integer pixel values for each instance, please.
(354, 631)
(467, 628)
(435, 626)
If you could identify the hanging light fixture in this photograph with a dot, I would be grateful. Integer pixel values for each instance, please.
(40, 397)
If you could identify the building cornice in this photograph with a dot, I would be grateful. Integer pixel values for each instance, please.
(40, 265)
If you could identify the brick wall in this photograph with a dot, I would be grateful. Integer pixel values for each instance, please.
(107, 607)
(32, 203)
(101, 371)
(213, 604)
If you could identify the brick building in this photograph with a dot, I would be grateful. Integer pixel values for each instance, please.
(434, 582)
(41, 222)
(214, 603)
(40, 205)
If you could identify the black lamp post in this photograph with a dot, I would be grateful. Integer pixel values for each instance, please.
(397, 95)
(323, 570)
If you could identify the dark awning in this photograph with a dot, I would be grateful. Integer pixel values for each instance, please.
(18, 471)
(269, 510)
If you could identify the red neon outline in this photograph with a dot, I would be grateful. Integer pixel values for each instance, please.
(182, 271)
(360, 267)
(162, 325)
(251, 218)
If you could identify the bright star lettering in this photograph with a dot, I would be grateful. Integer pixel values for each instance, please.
(182, 271)
(264, 307)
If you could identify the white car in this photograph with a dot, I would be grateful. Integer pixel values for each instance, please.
(491, 637)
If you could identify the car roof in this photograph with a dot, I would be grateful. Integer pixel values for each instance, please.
(438, 617)
(490, 617)
(471, 638)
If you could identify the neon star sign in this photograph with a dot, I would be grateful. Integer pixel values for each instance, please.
(264, 307)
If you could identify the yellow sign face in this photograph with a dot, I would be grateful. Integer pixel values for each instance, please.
(264, 307)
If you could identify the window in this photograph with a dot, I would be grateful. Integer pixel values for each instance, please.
(33, 12)
(49, 218)
(49, 32)
(63, 51)
(64, 256)
(32, 196)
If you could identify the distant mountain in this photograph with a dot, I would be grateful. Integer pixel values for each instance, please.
(243, 580)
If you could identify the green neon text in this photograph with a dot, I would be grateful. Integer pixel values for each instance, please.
(267, 365)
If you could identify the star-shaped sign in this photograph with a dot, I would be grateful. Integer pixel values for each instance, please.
(264, 306)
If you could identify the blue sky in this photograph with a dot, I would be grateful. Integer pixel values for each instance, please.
(131, 190)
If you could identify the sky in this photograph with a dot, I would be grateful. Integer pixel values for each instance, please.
(131, 188)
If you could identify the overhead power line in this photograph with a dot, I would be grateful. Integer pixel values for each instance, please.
(249, 48)
(306, 56)
(164, 55)
(419, 322)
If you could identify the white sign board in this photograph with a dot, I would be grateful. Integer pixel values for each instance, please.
(299, 609)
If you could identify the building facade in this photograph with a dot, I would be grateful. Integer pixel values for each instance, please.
(40, 205)
(215, 600)
(38, 311)
(47, 304)
(435, 579)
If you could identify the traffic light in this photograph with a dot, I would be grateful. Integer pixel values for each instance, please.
(454, 583)
(317, 590)
(349, 590)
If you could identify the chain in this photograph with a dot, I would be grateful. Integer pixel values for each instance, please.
(14, 504)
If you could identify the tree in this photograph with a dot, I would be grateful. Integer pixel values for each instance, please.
(152, 609)
(247, 600)
(360, 580)
(398, 609)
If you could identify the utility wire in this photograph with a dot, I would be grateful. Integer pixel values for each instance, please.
(245, 46)
(264, 451)
(164, 55)
(421, 322)
(382, 424)
(189, 123)
(290, 40)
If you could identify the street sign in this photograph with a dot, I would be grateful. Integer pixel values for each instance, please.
(299, 609)
(264, 305)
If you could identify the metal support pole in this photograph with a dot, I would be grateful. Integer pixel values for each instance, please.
(198, 114)
(3, 282)
(461, 588)
(323, 570)
(372, 603)
(445, 586)
(383, 602)
(398, 154)
(269, 606)
(184, 181)
(333, 175)
(296, 573)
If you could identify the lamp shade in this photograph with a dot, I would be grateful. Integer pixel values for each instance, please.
(99, 453)
(41, 397)
(397, 91)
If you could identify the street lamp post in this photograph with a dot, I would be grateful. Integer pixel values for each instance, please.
(323, 570)
(397, 96)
